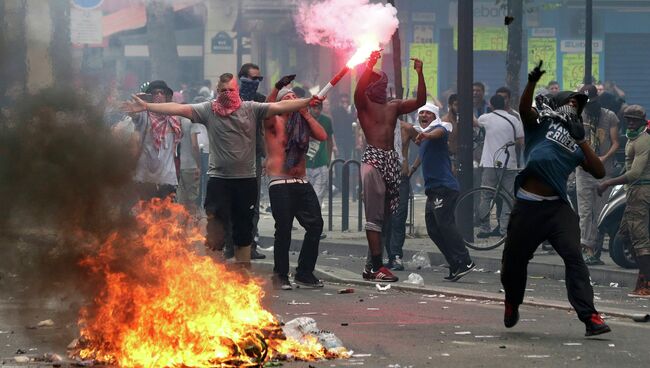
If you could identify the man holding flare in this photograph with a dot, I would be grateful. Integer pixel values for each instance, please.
(381, 166)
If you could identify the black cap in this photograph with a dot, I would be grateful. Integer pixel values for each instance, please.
(159, 84)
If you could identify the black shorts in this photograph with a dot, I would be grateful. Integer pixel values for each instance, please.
(234, 200)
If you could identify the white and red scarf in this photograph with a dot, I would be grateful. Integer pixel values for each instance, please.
(160, 122)
(226, 103)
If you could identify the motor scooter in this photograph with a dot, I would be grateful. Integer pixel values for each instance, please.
(609, 220)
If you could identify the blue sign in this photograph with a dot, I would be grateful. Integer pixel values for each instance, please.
(222, 43)
(87, 4)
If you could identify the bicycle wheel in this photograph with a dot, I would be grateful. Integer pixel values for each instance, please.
(485, 231)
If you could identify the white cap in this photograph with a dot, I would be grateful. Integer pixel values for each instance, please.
(283, 92)
(430, 107)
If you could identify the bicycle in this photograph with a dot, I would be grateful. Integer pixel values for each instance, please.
(487, 213)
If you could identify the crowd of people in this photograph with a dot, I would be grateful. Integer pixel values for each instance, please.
(289, 139)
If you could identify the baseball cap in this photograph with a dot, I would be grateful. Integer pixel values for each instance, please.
(634, 112)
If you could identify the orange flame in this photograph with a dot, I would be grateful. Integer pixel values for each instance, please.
(178, 309)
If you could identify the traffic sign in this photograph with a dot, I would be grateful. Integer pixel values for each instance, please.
(87, 4)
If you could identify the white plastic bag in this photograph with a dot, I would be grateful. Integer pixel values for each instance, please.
(419, 261)
(415, 279)
(300, 328)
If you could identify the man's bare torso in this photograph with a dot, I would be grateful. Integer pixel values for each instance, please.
(378, 123)
(276, 143)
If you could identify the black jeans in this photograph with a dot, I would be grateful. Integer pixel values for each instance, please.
(530, 224)
(441, 225)
(230, 200)
(289, 201)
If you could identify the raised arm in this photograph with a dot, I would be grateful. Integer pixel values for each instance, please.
(528, 114)
(286, 106)
(360, 99)
(407, 106)
(169, 108)
(283, 82)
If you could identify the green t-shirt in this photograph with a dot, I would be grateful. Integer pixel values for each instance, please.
(321, 158)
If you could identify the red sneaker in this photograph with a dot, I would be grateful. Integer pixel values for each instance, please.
(596, 326)
(383, 275)
(511, 315)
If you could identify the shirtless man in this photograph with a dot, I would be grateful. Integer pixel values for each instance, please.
(380, 168)
(292, 196)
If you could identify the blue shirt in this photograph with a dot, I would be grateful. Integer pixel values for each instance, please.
(436, 164)
(551, 155)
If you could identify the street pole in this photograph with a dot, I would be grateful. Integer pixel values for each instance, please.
(397, 60)
(465, 105)
(588, 41)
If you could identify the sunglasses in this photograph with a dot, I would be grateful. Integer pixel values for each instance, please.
(257, 78)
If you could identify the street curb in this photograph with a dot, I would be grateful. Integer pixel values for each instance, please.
(332, 276)
(600, 275)
(329, 276)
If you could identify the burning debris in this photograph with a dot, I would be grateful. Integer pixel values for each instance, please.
(161, 304)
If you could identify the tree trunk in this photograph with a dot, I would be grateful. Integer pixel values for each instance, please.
(162, 42)
(514, 53)
(13, 51)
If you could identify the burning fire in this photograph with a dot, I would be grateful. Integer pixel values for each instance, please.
(163, 305)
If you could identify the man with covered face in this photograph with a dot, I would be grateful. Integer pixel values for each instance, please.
(249, 81)
(157, 137)
(380, 168)
(292, 196)
(634, 225)
(232, 187)
(555, 146)
(601, 131)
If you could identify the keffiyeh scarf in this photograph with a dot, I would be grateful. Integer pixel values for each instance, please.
(389, 166)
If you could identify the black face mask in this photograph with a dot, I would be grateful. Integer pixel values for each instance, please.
(562, 98)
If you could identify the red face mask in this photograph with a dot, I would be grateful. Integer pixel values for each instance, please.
(226, 103)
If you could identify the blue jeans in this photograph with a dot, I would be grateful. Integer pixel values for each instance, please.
(398, 221)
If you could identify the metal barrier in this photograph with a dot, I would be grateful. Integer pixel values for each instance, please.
(330, 191)
(345, 194)
(411, 221)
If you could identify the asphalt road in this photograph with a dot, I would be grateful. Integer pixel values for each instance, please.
(386, 329)
(402, 329)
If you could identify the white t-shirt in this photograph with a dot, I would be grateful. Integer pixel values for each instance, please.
(156, 166)
(498, 132)
(204, 140)
(187, 158)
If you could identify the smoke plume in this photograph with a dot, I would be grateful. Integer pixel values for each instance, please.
(63, 183)
(346, 24)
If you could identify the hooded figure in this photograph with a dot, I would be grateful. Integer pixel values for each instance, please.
(376, 90)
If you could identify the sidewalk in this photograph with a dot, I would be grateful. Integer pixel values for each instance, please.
(353, 242)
